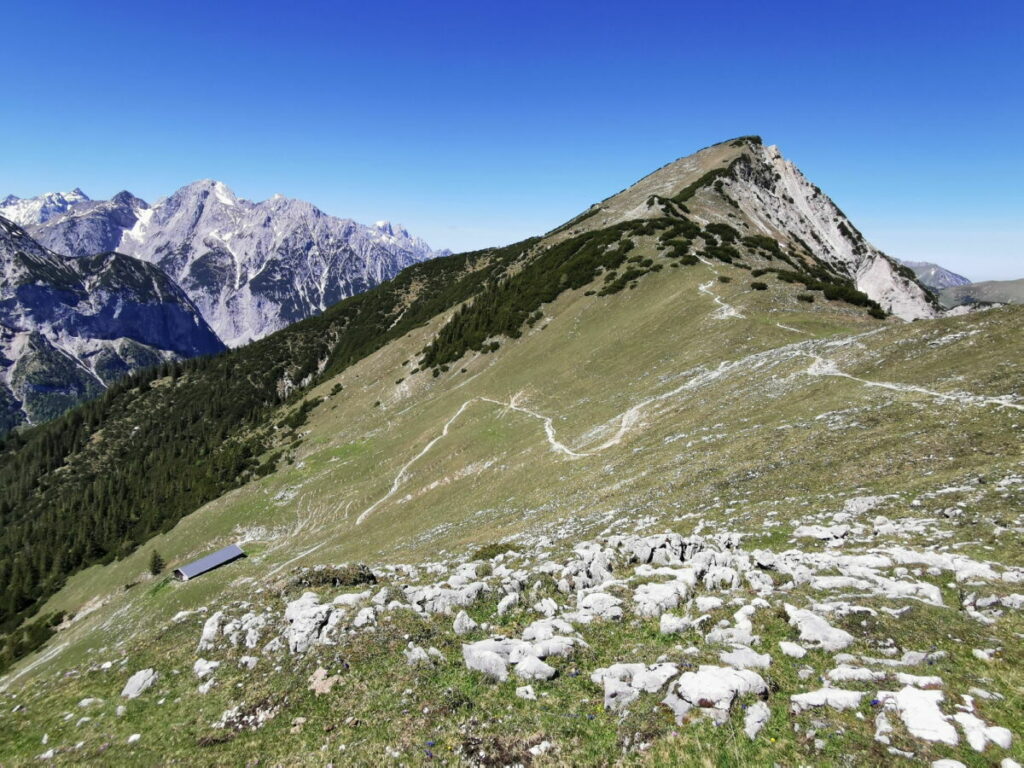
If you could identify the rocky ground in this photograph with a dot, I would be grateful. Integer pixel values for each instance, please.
(854, 634)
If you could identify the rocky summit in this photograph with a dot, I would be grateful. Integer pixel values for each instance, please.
(700, 477)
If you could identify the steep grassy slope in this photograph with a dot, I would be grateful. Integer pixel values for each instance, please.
(93, 485)
(725, 417)
(701, 396)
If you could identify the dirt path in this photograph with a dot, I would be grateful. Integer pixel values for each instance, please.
(822, 367)
(630, 418)
(725, 309)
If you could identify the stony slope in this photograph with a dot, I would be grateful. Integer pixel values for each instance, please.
(250, 267)
(798, 471)
(71, 327)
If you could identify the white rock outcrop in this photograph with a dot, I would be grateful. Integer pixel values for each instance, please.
(139, 683)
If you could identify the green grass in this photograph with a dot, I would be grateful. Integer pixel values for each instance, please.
(758, 440)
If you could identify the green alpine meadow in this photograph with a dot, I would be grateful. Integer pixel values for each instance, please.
(700, 477)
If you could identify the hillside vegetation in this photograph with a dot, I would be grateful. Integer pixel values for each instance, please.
(667, 441)
(101, 480)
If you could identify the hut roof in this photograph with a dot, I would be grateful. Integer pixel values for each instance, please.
(211, 561)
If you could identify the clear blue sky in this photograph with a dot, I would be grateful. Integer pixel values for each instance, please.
(481, 123)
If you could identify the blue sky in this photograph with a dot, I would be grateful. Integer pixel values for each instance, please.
(480, 123)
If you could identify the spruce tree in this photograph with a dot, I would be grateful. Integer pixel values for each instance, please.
(156, 563)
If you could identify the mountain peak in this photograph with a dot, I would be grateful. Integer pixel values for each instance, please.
(221, 191)
(124, 197)
(935, 276)
(36, 210)
(394, 230)
(753, 189)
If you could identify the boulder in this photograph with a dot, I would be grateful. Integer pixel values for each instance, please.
(202, 667)
(365, 618)
(919, 710)
(671, 624)
(618, 695)
(743, 657)
(837, 698)
(816, 631)
(486, 661)
(793, 650)
(139, 682)
(306, 617)
(320, 682)
(532, 668)
(507, 603)
(706, 603)
(654, 599)
(414, 655)
(464, 624)
(557, 646)
(210, 630)
(526, 692)
(755, 719)
(543, 629)
(652, 679)
(601, 604)
(547, 606)
(716, 687)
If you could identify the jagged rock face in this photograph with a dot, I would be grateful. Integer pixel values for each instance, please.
(70, 327)
(760, 192)
(90, 227)
(251, 268)
(774, 193)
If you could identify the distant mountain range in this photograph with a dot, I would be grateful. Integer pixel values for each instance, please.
(955, 290)
(94, 289)
(934, 276)
(71, 327)
(986, 292)
(250, 268)
(36, 210)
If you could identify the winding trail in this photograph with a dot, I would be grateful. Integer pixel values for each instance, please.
(724, 308)
(400, 477)
(51, 653)
(822, 367)
(629, 418)
(549, 428)
(299, 556)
